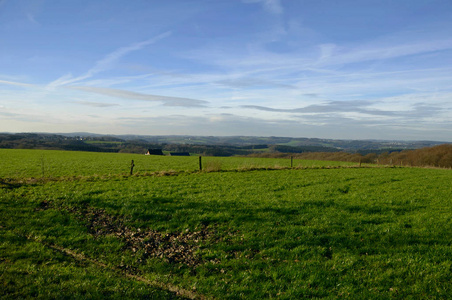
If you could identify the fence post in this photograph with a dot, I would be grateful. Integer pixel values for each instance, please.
(291, 162)
(131, 167)
(200, 163)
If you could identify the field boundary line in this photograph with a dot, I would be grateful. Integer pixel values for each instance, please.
(17, 182)
(82, 258)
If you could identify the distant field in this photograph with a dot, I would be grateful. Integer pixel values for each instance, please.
(18, 163)
(288, 234)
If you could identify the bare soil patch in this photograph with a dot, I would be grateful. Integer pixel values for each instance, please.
(174, 247)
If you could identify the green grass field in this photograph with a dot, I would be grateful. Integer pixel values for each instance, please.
(16, 163)
(282, 233)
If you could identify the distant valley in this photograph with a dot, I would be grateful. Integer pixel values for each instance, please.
(206, 145)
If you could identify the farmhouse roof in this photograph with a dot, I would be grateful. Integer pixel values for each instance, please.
(154, 152)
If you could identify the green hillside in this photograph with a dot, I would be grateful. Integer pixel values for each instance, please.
(244, 229)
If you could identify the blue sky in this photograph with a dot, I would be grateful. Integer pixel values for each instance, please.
(362, 69)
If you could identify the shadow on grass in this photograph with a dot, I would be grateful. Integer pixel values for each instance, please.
(10, 184)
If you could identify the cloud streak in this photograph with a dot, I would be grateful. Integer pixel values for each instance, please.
(106, 62)
(331, 56)
(244, 82)
(16, 83)
(330, 107)
(417, 110)
(167, 101)
(95, 104)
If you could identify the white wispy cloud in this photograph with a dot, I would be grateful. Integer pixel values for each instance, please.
(166, 100)
(16, 83)
(106, 62)
(358, 108)
(95, 104)
(322, 58)
(107, 82)
(333, 55)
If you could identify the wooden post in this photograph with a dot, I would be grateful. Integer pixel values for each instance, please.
(131, 167)
(360, 162)
(200, 163)
(291, 162)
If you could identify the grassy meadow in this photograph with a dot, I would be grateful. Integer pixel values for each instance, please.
(268, 231)
(19, 163)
